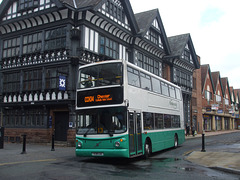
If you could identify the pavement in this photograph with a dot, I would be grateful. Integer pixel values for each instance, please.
(225, 157)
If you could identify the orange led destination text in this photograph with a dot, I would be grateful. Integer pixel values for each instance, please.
(99, 98)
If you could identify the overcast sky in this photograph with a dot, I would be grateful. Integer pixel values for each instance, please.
(213, 25)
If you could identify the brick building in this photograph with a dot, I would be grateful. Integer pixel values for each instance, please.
(196, 101)
(219, 108)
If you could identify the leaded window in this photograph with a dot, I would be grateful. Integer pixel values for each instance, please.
(32, 80)
(140, 60)
(32, 43)
(11, 82)
(109, 47)
(183, 79)
(52, 76)
(115, 9)
(149, 64)
(55, 38)
(187, 54)
(156, 68)
(11, 47)
(27, 4)
(154, 36)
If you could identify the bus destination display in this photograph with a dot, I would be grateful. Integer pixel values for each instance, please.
(100, 97)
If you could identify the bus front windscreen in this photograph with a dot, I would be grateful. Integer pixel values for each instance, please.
(102, 121)
(100, 75)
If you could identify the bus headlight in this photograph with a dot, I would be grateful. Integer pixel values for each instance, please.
(117, 144)
(79, 144)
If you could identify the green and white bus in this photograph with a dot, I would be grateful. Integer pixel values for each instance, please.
(126, 111)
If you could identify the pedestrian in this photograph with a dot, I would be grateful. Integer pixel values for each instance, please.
(187, 130)
(193, 130)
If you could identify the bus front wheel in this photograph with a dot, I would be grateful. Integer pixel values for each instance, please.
(175, 141)
(147, 149)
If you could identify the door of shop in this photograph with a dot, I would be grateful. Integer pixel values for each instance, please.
(61, 125)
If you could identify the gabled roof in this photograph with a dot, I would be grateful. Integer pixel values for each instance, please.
(81, 5)
(96, 4)
(237, 95)
(232, 93)
(145, 20)
(226, 85)
(178, 44)
(205, 69)
(216, 78)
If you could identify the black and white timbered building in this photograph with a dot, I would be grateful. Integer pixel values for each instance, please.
(43, 42)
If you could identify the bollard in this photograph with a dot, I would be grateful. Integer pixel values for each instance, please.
(24, 144)
(203, 142)
(53, 143)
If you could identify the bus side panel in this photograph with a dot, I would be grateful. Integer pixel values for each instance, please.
(181, 136)
(164, 139)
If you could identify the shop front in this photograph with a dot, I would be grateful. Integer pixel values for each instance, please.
(207, 122)
(218, 123)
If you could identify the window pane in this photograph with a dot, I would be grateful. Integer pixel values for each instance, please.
(158, 121)
(145, 81)
(167, 121)
(148, 120)
(133, 77)
(172, 92)
(165, 90)
(156, 85)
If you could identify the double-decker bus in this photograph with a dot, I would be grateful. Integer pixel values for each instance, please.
(125, 111)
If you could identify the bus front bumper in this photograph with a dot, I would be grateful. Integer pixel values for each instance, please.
(102, 153)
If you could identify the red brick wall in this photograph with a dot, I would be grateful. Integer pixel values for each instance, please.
(33, 135)
(197, 94)
(221, 105)
(167, 72)
(204, 100)
(71, 137)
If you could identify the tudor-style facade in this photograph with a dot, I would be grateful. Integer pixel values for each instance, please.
(44, 42)
(182, 62)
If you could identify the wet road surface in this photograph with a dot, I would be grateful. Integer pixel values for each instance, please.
(62, 163)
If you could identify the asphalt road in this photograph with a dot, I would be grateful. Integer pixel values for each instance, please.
(41, 163)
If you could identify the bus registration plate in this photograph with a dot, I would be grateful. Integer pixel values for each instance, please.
(97, 154)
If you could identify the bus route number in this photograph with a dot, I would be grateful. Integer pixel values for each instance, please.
(89, 99)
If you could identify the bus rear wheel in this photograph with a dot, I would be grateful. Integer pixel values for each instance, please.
(147, 149)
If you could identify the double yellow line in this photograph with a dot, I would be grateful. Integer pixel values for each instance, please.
(22, 162)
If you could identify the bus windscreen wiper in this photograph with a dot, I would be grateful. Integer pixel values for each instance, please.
(85, 134)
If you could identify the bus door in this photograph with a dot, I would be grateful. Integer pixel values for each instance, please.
(135, 133)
